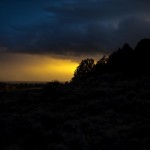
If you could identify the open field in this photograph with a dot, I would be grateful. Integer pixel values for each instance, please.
(107, 112)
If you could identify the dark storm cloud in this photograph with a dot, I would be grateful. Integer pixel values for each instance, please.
(132, 29)
(74, 27)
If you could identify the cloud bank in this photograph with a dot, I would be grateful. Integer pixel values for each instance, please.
(75, 27)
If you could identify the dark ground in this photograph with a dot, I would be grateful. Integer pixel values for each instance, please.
(111, 112)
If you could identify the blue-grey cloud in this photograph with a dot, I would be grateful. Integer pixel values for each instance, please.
(74, 27)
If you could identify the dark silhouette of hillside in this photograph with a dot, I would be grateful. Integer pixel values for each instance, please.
(125, 60)
(106, 106)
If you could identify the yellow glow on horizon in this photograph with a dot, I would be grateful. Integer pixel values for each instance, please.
(54, 69)
(23, 67)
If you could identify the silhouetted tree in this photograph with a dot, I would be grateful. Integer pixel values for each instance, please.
(102, 61)
(143, 47)
(101, 66)
(83, 69)
(142, 56)
(121, 60)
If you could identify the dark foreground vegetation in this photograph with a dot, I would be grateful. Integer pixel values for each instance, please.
(104, 107)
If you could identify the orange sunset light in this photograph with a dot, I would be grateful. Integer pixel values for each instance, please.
(23, 67)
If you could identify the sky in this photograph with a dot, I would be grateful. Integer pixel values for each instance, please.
(44, 40)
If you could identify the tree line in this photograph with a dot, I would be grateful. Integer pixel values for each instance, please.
(125, 60)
